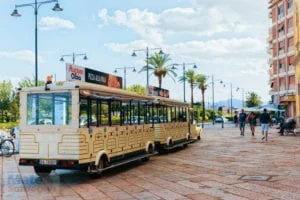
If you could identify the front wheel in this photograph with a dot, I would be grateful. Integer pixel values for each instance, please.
(42, 171)
(7, 148)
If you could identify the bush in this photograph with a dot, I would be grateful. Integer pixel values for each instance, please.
(8, 125)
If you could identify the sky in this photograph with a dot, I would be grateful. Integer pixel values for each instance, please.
(225, 38)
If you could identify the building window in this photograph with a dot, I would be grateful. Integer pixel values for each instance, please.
(290, 5)
(280, 11)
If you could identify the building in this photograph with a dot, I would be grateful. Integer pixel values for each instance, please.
(282, 54)
(297, 57)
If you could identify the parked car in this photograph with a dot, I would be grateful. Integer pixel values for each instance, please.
(220, 119)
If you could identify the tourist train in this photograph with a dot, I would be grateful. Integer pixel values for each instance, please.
(79, 125)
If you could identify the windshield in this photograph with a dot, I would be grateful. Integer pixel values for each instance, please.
(49, 109)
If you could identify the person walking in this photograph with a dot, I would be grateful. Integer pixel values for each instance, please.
(242, 121)
(235, 119)
(265, 120)
(252, 122)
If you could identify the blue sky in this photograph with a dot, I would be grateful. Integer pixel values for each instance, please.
(225, 38)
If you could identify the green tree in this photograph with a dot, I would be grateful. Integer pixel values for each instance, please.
(5, 98)
(202, 85)
(253, 100)
(157, 64)
(137, 88)
(14, 106)
(191, 77)
(27, 82)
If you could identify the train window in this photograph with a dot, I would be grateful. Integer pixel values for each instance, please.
(115, 112)
(49, 109)
(93, 116)
(104, 117)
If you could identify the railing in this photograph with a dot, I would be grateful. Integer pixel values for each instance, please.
(281, 34)
(281, 52)
(281, 16)
(291, 87)
(291, 48)
(282, 70)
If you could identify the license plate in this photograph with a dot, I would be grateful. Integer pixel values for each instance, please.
(48, 162)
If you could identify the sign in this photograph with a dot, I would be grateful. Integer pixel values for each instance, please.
(75, 73)
(156, 91)
(101, 78)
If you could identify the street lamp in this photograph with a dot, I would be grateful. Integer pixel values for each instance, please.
(213, 96)
(147, 58)
(231, 95)
(183, 67)
(73, 55)
(36, 5)
(125, 73)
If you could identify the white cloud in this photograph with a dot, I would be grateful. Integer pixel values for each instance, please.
(51, 23)
(195, 21)
(25, 55)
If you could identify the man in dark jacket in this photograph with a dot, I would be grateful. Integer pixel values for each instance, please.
(265, 120)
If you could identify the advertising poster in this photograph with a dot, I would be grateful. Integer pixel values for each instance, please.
(75, 73)
(156, 91)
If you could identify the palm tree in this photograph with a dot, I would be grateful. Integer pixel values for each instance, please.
(157, 64)
(202, 85)
(190, 76)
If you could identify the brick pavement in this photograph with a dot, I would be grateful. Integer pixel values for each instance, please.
(209, 169)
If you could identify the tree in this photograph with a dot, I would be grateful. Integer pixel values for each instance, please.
(253, 100)
(5, 97)
(14, 106)
(137, 88)
(202, 85)
(157, 64)
(191, 77)
(27, 82)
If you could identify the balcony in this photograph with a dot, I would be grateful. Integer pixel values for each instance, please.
(282, 71)
(291, 87)
(280, 18)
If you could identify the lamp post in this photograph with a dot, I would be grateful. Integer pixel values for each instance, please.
(213, 96)
(36, 5)
(147, 49)
(231, 95)
(73, 55)
(184, 78)
(125, 73)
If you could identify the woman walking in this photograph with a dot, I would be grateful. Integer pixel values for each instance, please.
(252, 122)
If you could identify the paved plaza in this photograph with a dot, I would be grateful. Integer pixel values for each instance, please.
(223, 165)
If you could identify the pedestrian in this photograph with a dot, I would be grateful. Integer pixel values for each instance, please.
(265, 120)
(252, 122)
(235, 119)
(242, 121)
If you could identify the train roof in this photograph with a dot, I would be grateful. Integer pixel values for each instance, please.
(102, 92)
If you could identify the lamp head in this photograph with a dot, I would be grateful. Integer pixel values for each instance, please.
(85, 57)
(134, 70)
(133, 54)
(116, 71)
(61, 59)
(195, 67)
(15, 13)
(173, 67)
(161, 52)
(57, 8)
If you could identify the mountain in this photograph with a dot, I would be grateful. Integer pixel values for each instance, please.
(236, 103)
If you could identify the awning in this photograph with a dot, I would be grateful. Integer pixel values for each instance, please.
(288, 98)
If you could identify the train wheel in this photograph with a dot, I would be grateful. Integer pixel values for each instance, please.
(42, 171)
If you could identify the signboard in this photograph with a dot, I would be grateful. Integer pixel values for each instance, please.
(156, 91)
(109, 80)
(76, 73)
